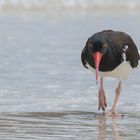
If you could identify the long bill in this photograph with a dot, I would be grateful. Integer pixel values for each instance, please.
(97, 58)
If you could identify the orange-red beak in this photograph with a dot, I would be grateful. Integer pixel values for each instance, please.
(97, 58)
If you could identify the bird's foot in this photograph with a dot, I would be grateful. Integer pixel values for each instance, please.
(102, 100)
(112, 113)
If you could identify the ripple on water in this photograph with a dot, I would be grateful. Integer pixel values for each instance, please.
(68, 125)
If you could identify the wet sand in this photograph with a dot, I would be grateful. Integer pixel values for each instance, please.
(45, 92)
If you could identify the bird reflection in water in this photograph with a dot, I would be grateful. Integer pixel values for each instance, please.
(108, 123)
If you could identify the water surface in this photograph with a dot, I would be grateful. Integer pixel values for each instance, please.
(46, 93)
(68, 125)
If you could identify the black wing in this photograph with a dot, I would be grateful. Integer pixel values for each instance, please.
(83, 56)
(132, 54)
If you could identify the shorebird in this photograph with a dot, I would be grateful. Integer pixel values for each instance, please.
(110, 54)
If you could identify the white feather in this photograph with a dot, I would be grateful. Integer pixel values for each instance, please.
(121, 72)
(139, 52)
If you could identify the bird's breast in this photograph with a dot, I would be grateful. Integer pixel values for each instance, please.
(120, 72)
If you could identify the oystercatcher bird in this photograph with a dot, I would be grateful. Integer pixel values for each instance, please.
(110, 54)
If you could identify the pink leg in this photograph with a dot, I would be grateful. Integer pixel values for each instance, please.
(102, 98)
(118, 91)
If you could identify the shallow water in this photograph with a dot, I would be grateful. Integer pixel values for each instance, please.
(68, 125)
(45, 92)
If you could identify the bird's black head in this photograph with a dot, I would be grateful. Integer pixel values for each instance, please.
(96, 49)
(97, 45)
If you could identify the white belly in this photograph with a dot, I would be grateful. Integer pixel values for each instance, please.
(121, 72)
